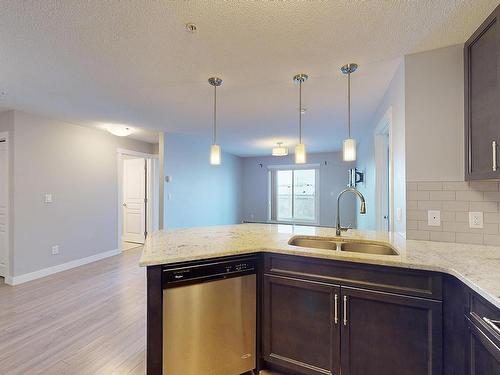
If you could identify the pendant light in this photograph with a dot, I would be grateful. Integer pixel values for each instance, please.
(215, 152)
(349, 145)
(280, 150)
(300, 149)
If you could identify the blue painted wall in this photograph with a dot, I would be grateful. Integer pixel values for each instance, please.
(200, 194)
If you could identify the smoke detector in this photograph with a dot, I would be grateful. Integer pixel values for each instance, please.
(191, 27)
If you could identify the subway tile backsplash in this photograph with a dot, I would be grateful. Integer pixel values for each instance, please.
(455, 200)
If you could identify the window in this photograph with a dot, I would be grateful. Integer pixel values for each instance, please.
(294, 195)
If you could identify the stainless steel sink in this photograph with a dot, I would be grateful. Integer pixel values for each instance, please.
(368, 248)
(342, 245)
(316, 243)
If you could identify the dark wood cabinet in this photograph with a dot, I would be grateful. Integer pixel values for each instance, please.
(482, 95)
(483, 352)
(316, 322)
(455, 306)
(384, 333)
(301, 332)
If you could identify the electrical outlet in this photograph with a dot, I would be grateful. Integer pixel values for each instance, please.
(48, 198)
(434, 218)
(55, 249)
(476, 220)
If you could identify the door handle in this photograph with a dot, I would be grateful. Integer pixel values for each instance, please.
(345, 310)
(494, 155)
(493, 324)
(124, 204)
(336, 309)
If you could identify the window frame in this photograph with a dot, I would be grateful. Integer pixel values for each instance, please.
(272, 193)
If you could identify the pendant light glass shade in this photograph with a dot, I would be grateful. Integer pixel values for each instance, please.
(349, 149)
(280, 150)
(215, 155)
(349, 145)
(215, 151)
(300, 154)
(300, 149)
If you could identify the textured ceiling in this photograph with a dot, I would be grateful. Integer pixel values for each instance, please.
(133, 62)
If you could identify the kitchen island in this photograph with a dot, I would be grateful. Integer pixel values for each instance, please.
(428, 287)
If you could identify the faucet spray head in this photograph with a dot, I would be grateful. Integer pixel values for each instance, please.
(362, 209)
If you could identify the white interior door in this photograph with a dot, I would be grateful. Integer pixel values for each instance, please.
(134, 200)
(4, 201)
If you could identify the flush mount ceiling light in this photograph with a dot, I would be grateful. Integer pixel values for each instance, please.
(300, 149)
(119, 130)
(349, 144)
(215, 152)
(280, 150)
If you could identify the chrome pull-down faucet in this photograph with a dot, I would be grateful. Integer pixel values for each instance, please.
(362, 209)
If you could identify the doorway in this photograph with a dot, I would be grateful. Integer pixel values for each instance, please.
(384, 173)
(4, 205)
(138, 194)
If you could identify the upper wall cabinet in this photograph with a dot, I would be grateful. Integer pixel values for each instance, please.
(482, 101)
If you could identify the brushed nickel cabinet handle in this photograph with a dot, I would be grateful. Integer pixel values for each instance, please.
(345, 310)
(493, 324)
(494, 154)
(336, 309)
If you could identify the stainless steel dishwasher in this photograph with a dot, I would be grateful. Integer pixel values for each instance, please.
(209, 318)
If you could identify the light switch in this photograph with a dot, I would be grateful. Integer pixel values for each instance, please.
(476, 220)
(434, 218)
(399, 214)
(48, 198)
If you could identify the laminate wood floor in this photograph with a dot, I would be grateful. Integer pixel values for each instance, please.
(86, 321)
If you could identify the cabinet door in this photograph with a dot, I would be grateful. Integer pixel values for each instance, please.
(482, 95)
(301, 332)
(483, 354)
(385, 333)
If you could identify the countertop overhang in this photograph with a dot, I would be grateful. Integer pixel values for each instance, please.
(477, 266)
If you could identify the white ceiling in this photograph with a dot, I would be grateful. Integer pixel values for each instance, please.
(133, 62)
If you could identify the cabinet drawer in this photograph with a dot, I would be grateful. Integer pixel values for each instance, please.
(484, 315)
(483, 353)
(389, 279)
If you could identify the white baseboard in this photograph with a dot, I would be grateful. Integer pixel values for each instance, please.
(16, 280)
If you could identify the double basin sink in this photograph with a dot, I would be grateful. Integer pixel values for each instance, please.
(340, 244)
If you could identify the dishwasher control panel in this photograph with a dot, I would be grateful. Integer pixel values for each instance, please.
(209, 271)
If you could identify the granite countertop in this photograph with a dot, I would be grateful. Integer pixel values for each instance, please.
(478, 266)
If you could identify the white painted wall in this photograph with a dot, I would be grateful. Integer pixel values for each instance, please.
(394, 98)
(435, 115)
(78, 165)
(333, 179)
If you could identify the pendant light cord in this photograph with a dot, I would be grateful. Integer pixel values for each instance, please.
(349, 102)
(215, 116)
(300, 111)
